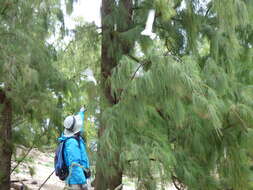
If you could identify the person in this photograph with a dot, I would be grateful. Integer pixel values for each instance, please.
(75, 154)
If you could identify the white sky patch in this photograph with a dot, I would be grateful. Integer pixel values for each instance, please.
(90, 77)
(182, 6)
(202, 5)
(88, 10)
(47, 122)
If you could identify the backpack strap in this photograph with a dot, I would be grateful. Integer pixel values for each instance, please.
(78, 140)
(74, 137)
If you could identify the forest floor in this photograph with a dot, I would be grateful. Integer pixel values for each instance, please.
(35, 170)
(39, 165)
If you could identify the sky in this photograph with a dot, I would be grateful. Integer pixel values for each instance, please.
(89, 10)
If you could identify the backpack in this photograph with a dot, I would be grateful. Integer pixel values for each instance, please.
(61, 169)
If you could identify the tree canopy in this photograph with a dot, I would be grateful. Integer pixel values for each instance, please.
(177, 109)
(184, 111)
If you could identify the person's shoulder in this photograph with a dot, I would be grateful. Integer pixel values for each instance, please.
(71, 141)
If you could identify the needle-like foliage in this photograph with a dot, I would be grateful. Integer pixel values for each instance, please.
(184, 111)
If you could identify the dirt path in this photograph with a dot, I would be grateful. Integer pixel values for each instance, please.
(40, 165)
(36, 170)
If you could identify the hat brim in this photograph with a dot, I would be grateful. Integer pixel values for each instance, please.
(77, 128)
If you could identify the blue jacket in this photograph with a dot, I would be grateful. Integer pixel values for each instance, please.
(75, 154)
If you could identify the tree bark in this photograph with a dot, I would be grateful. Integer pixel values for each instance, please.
(109, 60)
(5, 141)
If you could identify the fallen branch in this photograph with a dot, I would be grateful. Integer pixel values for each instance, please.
(21, 186)
(18, 180)
(17, 186)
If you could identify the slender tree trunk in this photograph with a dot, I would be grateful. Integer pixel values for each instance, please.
(108, 62)
(111, 50)
(5, 141)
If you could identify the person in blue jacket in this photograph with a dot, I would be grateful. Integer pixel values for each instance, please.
(75, 154)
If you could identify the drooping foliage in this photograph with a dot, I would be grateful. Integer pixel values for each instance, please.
(79, 61)
(28, 76)
(184, 111)
(29, 82)
(181, 105)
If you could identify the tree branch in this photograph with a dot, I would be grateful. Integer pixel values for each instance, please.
(138, 68)
(133, 160)
(177, 183)
(133, 58)
(209, 8)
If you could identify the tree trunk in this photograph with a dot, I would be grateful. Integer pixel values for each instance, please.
(5, 141)
(108, 62)
(110, 53)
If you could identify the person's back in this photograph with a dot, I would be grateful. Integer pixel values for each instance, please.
(75, 154)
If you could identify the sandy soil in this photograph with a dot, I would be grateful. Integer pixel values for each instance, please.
(36, 171)
(41, 165)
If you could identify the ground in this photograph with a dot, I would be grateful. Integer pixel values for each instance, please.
(39, 165)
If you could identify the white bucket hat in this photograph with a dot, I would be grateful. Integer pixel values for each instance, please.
(72, 125)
